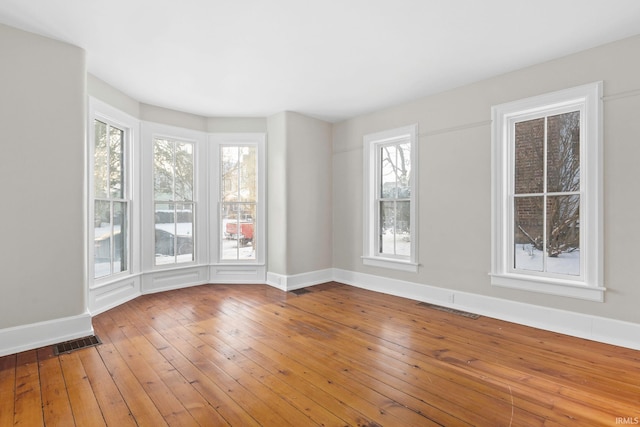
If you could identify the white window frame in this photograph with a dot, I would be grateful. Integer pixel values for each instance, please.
(105, 113)
(151, 131)
(589, 284)
(218, 140)
(372, 144)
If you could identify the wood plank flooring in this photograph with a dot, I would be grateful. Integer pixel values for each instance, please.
(251, 355)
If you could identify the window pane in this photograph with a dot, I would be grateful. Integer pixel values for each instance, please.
(184, 232)
(101, 156)
(529, 156)
(528, 233)
(395, 228)
(239, 231)
(163, 169)
(119, 236)
(102, 236)
(184, 171)
(563, 234)
(563, 152)
(248, 187)
(395, 171)
(165, 231)
(116, 151)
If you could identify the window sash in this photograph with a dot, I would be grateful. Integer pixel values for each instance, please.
(390, 223)
(589, 285)
(110, 187)
(545, 194)
(173, 192)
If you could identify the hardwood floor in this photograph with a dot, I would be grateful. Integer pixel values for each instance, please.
(251, 355)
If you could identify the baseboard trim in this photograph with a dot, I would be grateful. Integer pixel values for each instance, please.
(35, 335)
(595, 328)
(298, 281)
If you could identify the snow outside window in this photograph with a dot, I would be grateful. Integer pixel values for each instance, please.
(390, 210)
(546, 193)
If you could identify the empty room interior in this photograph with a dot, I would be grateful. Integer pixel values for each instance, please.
(361, 213)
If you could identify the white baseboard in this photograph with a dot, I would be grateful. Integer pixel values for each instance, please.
(601, 329)
(36, 335)
(297, 281)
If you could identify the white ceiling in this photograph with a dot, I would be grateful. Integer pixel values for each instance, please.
(331, 59)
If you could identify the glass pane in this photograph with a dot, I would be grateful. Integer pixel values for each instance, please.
(248, 188)
(529, 156)
(563, 234)
(229, 173)
(184, 171)
(528, 233)
(165, 231)
(184, 232)
(102, 236)
(101, 156)
(388, 172)
(119, 237)
(238, 231)
(116, 151)
(395, 228)
(163, 169)
(403, 228)
(238, 174)
(395, 171)
(563, 152)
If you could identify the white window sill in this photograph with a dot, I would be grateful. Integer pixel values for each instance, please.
(565, 288)
(394, 264)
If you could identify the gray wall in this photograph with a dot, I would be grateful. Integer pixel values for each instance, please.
(42, 219)
(455, 175)
(299, 194)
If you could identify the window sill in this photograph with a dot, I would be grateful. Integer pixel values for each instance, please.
(549, 286)
(394, 264)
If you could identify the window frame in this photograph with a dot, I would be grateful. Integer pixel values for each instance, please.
(373, 142)
(218, 140)
(193, 202)
(589, 284)
(100, 111)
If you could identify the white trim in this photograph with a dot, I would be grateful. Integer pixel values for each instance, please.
(297, 281)
(589, 285)
(237, 273)
(249, 139)
(174, 278)
(393, 264)
(113, 294)
(601, 329)
(371, 185)
(35, 335)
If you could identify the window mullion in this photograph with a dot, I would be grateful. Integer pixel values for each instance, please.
(544, 197)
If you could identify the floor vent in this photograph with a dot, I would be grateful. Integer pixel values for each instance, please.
(450, 310)
(300, 291)
(77, 344)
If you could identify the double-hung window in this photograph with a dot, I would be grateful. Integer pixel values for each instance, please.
(110, 199)
(547, 194)
(238, 188)
(390, 235)
(174, 200)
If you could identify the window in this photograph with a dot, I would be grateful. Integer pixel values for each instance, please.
(546, 193)
(238, 185)
(173, 189)
(238, 201)
(110, 201)
(390, 210)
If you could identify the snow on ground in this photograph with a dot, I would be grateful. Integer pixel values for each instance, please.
(529, 258)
